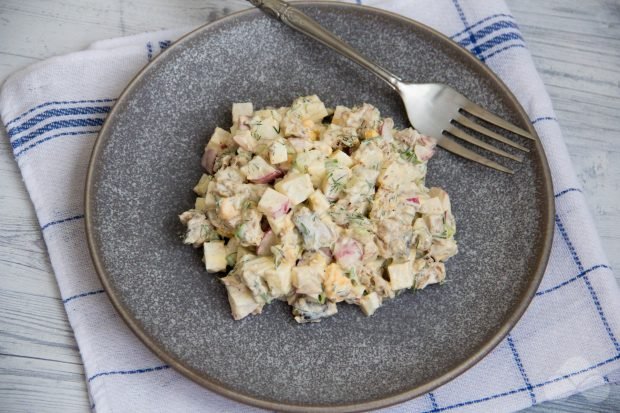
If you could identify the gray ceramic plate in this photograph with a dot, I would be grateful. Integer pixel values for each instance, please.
(147, 158)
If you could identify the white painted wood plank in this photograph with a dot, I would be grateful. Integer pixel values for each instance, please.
(37, 385)
(40, 365)
(36, 327)
(24, 263)
(10, 62)
(576, 48)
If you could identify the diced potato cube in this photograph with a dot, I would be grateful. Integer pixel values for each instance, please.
(270, 113)
(273, 204)
(314, 259)
(215, 256)
(368, 154)
(244, 139)
(278, 153)
(430, 206)
(264, 128)
(244, 254)
(434, 224)
(279, 281)
(317, 172)
(361, 184)
(280, 223)
(442, 249)
(257, 169)
(259, 265)
(401, 275)
(252, 274)
(324, 147)
(318, 202)
(310, 107)
(397, 174)
(220, 138)
(210, 202)
(307, 280)
(241, 109)
(356, 294)
(338, 113)
(201, 187)
(240, 298)
(342, 158)
(424, 237)
(304, 159)
(433, 274)
(419, 225)
(231, 251)
(200, 204)
(334, 182)
(443, 198)
(369, 303)
(297, 187)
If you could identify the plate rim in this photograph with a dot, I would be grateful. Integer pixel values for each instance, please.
(177, 364)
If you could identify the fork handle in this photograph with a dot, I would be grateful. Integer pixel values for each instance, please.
(299, 21)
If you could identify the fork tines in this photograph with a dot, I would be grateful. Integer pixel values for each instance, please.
(464, 121)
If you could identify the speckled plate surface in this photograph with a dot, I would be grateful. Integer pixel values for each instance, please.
(147, 159)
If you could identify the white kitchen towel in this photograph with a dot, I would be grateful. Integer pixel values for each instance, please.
(566, 342)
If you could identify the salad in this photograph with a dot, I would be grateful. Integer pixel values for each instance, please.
(317, 206)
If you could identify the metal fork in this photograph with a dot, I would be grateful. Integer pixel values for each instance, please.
(434, 109)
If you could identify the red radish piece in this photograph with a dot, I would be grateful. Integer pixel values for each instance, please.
(208, 160)
(269, 240)
(386, 129)
(414, 200)
(327, 252)
(244, 122)
(270, 177)
(427, 141)
(348, 252)
(424, 153)
(283, 210)
(299, 144)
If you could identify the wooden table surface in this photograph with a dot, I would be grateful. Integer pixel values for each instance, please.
(576, 48)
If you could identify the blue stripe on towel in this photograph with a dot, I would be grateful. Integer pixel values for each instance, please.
(49, 138)
(481, 34)
(434, 404)
(496, 41)
(567, 190)
(543, 118)
(59, 102)
(60, 124)
(524, 388)
(87, 294)
(52, 113)
(503, 49)
(126, 372)
(60, 221)
(575, 278)
(577, 260)
(479, 22)
(519, 363)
